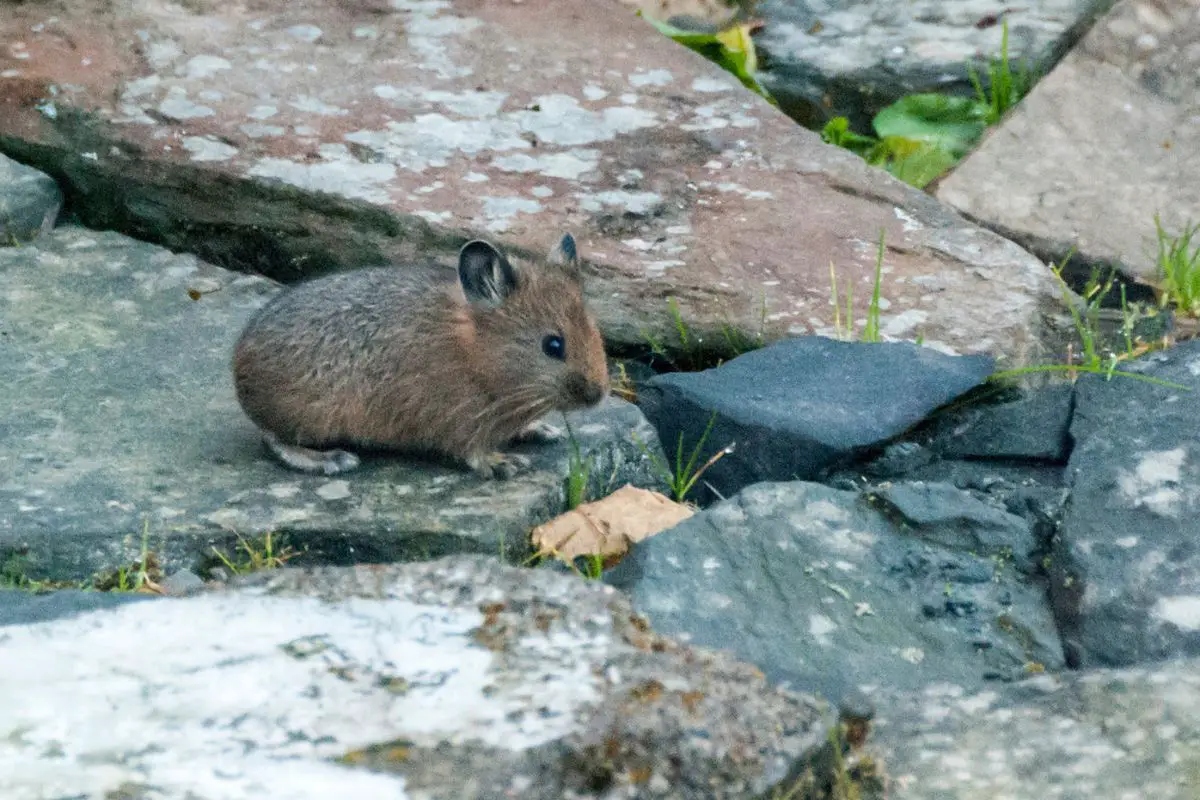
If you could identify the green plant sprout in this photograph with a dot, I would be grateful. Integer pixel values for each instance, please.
(871, 331)
(1091, 359)
(579, 470)
(1005, 88)
(258, 555)
(1178, 265)
(143, 575)
(681, 478)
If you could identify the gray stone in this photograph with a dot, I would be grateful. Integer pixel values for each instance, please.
(460, 678)
(1125, 574)
(120, 423)
(822, 591)
(796, 407)
(1103, 143)
(954, 518)
(846, 58)
(1126, 734)
(20, 607)
(181, 581)
(292, 155)
(1034, 427)
(29, 202)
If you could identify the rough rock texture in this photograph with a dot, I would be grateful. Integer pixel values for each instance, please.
(1048, 178)
(459, 678)
(119, 417)
(299, 137)
(821, 590)
(795, 407)
(29, 202)
(1119, 735)
(19, 607)
(1125, 574)
(828, 58)
(1033, 427)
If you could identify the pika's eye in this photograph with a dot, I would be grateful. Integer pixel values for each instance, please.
(554, 346)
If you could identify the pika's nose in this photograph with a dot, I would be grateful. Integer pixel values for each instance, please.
(593, 393)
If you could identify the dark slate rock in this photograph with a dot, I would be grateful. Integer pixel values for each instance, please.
(25, 608)
(819, 589)
(1035, 427)
(799, 405)
(1125, 575)
(954, 518)
(29, 202)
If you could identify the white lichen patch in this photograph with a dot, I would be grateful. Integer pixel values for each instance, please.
(708, 85)
(252, 696)
(654, 77)
(570, 165)
(305, 33)
(206, 148)
(1182, 611)
(205, 66)
(1154, 483)
(256, 130)
(178, 107)
(638, 203)
(262, 112)
(431, 140)
(467, 104)
(500, 211)
(337, 173)
(313, 105)
(593, 92)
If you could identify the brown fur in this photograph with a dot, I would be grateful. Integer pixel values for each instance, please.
(399, 358)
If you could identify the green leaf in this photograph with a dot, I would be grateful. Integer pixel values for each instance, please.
(916, 163)
(950, 124)
(837, 132)
(731, 49)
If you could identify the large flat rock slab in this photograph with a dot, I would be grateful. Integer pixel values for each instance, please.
(455, 679)
(298, 137)
(118, 417)
(1127, 733)
(1102, 144)
(848, 58)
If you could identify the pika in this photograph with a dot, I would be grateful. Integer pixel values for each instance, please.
(410, 359)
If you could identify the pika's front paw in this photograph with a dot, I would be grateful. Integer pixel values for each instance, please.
(305, 459)
(541, 432)
(499, 466)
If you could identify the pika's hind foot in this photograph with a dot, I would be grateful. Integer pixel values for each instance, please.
(306, 459)
(499, 466)
(541, 432)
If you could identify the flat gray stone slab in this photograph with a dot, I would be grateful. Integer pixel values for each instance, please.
(301, 137)
(119, 417)
(1109, 734)
(843, 57)
(29, 202)
(459, 678)
(1104, 142)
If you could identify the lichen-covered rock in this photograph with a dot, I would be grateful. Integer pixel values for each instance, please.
(459, 678)
(29, 202)
(280, 140)
(119, 419)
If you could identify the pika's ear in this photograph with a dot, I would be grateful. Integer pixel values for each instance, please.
(566, 255)
(485, 274)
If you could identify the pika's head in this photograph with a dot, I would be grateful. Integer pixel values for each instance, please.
(537, 343)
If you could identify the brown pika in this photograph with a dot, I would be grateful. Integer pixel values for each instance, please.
(412, 360)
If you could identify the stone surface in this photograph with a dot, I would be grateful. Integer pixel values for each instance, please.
(29, 202)
(830, 58)
(819, 589)
(18, 607)
(1125, 574)
(1034, 427)
(1131, 87)
(798, 406)
(300, 137)
(120, 422)
(1119, 735)
(459, 678)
